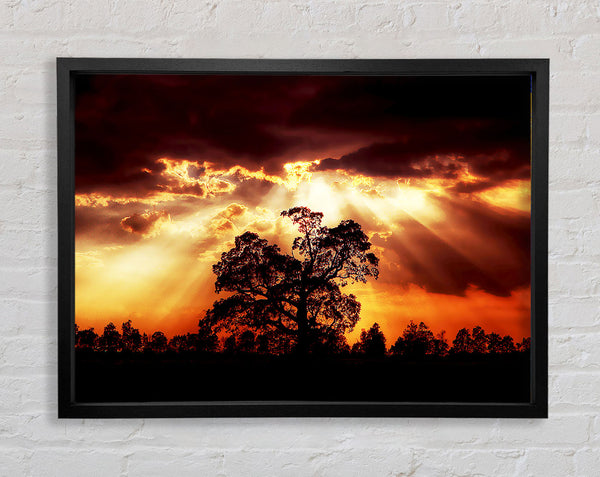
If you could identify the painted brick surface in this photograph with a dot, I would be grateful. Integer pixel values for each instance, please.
(34, 443)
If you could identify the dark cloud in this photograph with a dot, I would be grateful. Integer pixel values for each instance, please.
(143, 224)
(428, 261)
(475, 246)
(251, 191)
(102, 225)
(124, 123)
(196, 189)
(440, 152)
(484, 120)
(390, 160)
(470, 187)
(484, 248)
(382, 103)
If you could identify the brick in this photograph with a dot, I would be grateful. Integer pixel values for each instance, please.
(15, 462)
(557, 49)
(30, 284)
(379, 17)
(431, 16)
(467, 462)
(333, 16)
(100, 431)
(183, 17)
(574, 313)
(564, 242)
(437, 47)
(572, 204)
(564, 430)
(388, 460)
(575, 350)
(37, 353)
(28, 207)
(164, 461)
(44, 15)
(587, 461)
(18, 395)
(88, 15)
(63, 461)
(568, 128)
(137, 16)
(23, 51)
(576, 388)
(591, 242)
(547, 462)
(120, 47)
(36, 87)
(586, 94)
(370, 461)
(484, 15)
(574, 279)
(593, 130)
(575, 165)
(23, 315)
(585, 50)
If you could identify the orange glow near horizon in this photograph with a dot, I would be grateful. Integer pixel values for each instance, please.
(153, 265)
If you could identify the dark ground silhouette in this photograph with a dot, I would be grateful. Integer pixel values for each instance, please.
(184, 377)
(197, 367)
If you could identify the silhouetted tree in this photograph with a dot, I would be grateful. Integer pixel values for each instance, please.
(191, 341)
(132, 340)
(507, 345)
(158, 342)
(333, 343)
(494, 343)
(524, 345)
(371, 342)
(299, 298)
(229, 344)
(263, 344)
(86, 339)
(463, 342)
(416, 341)
(399, 347)
(478, 340)
(110, 339)
(179, 343)
(146, 342)
(440, 345)
(246, 342)
(207, 340)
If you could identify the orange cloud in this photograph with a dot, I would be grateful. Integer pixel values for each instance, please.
(147, 224)
(233, 210)
(439, 250)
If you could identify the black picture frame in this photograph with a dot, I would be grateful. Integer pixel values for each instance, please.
(68, 68)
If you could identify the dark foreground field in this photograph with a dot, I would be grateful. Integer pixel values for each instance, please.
(110, 377)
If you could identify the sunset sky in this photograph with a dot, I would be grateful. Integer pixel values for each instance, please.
(169, 169)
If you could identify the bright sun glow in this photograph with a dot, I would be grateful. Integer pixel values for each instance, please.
(167, 271)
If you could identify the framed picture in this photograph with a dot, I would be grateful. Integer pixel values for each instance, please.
(302, 237)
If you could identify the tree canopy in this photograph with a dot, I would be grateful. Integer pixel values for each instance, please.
(371, 342)
(298, 296)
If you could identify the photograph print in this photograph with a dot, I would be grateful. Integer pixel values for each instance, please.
(302, 238)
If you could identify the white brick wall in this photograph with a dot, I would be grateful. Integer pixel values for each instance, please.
(33, 442)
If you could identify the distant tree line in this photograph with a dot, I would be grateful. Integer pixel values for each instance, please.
(417, 341)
